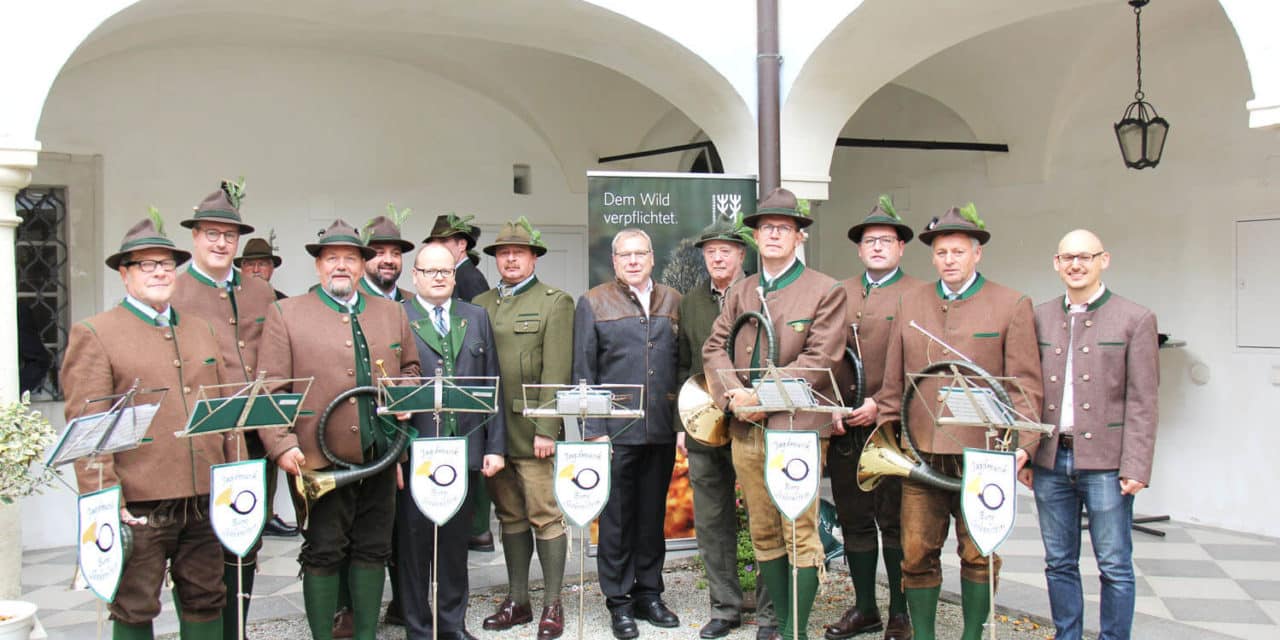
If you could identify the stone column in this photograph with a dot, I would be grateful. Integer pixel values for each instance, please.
(16, 163)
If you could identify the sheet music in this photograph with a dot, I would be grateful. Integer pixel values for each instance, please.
(975, 405)
(785, 393)
(571, 401)
(82, 435)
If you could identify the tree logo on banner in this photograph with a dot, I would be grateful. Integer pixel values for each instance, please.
(792, 470)
(238, 510)
(988, 498)
(727, 206)
(438, 481)
(582, 480)
(102, 542)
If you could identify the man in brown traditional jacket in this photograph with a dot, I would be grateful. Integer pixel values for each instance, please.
(165, 483)
(344, 339)
(1101, 369)
(873, 299)
(993, 326)
(807, 309)
(215, 291)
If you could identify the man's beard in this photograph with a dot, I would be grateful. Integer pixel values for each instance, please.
(384, 283)
(340, 289)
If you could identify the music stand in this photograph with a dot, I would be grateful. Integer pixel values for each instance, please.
(123, 426)
(251, 406)
(584, 401)
(439, 394)
(787, 390)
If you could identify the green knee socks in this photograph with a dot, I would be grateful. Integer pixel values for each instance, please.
(922, 604)
(122, 631)
(517, 549)
(862, 571)
(893, 568)
(806, 591)
(975, 599)
(776, 575)
(551, 555)
(366, 600)
(231, 578)
(211, 630)
(320, 597)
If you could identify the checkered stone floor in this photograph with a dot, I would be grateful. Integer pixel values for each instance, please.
(1196, 582)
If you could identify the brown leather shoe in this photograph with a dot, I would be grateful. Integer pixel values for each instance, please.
(343, 623)
(509, 615)
(551, 623)
(852, 623)
(898, 627)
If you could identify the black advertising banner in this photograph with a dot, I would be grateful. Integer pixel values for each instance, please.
(673, 208)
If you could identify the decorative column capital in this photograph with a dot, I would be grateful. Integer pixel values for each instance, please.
(17, 159)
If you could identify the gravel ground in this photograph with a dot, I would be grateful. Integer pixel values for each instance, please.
(687, 598)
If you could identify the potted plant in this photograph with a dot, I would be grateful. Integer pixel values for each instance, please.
(24, 435)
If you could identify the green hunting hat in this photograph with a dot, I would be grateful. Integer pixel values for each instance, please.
(720, 230)
(383, 229)
(258, 248)
(340, 234)
(518, 233)
(779, 202)
(148, 233)
(883, 215)
(222, 205)
(963, 220)
(449, 225)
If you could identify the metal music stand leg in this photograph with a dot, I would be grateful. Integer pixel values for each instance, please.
(795, 583)
(240, 596)
(991, 584)
(435, 585)
(582, 563)
(1136, 525)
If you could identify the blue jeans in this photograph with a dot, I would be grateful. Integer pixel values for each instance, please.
(1060, 494)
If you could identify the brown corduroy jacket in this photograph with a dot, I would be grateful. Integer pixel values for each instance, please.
(872, 310)
(105, 354)
(239, 331)
(991, 324)
(808, 320)
(306, 337)
(1115, 369)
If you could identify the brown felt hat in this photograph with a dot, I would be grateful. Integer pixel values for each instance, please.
(383, 229)
(779, 202)
(518, 233)
(340, 234)
(145, 235)
(257, 248)
(956, 220)
(222, 205)
(883, 215)
(449, 225)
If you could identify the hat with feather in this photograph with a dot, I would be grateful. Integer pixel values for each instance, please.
(779, 202)
(256, 248)
(339, 234)
(385, 229)
(222, 205)
(957, 220)
(449, 225)
(883, 215)
(520, 233)
(148, 233)
(721, 229)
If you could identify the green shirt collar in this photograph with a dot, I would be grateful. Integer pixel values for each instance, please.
(969, 291)
(523, 285)
(330, 302)
(203, 278)
(146, 313)
(785, 278)
(868, 285)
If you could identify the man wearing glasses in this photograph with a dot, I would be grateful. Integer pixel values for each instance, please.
(807, 309)
(873, 298)
(1100, 366)
(165, 484)
(212, 289)
(342, 339)
(455, 339)
(624, 332)
(966, 317)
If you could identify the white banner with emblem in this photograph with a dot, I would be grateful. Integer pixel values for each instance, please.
(793, 469)
(988, 496)
(438, 480)
(237, 503)
(102, 544)
(582, 480)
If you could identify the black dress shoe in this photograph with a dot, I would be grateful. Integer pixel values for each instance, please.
(657, 614)
(718, 628)
(623, 624)
(766, 632)
(482, 542)
(279, 528)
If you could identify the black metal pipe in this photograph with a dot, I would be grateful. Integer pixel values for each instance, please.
(705, 144)
(922, 144)
(768, 66)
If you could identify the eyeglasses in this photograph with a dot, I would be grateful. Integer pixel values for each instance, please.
(1085, 259)
(872, 242)
(780, 229)
(212, 235)
(632, 255)
(149, 266)
(434, 273)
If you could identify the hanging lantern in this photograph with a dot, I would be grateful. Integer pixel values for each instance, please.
(1141, 131)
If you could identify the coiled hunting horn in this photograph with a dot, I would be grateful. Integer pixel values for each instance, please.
(314, 484)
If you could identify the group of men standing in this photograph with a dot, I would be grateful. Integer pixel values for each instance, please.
(1084, 362)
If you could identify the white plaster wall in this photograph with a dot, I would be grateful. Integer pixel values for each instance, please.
(1170, 231)
(317, 136)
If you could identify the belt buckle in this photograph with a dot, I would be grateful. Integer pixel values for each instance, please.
(1066, 441)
